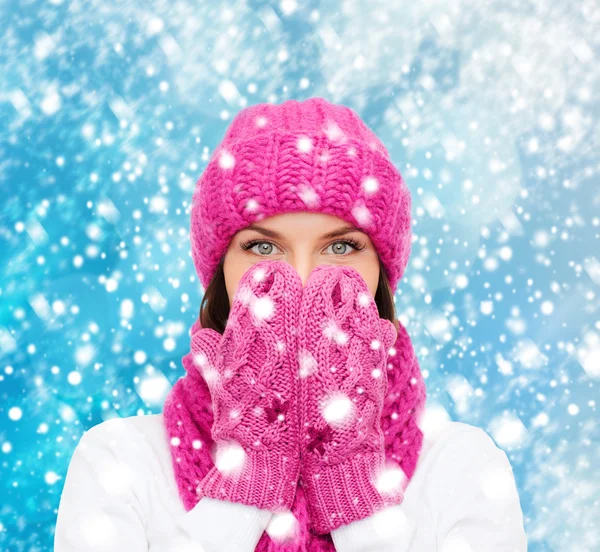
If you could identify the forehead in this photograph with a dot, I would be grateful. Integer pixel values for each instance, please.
(292, 226)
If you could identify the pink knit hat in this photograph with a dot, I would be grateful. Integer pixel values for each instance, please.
(308, 155)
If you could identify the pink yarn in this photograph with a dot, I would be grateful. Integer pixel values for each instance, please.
(343, 348)
(309, 155)
(252, 372)
(189, 417)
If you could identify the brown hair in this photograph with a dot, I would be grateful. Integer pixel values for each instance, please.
(214, 308)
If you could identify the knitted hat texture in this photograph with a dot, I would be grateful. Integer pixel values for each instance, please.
(309, 155)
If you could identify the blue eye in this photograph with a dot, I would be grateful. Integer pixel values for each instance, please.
(345, 243)
(251, 244)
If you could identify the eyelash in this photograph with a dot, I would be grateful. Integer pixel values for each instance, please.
(348, 241)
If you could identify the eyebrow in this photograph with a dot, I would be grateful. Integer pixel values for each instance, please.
(334, 234)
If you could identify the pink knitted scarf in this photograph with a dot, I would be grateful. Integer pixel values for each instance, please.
(188, 420)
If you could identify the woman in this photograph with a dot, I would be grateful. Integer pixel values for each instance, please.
(300, 423)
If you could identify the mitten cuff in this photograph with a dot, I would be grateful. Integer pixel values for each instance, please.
(267, 481)
(346, 492)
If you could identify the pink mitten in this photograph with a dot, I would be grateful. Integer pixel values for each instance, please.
(342, 353)
(251, 373)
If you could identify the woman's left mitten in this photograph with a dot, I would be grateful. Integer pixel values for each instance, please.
(342, 352)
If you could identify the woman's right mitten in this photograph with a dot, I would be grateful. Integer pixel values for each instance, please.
(251, 373)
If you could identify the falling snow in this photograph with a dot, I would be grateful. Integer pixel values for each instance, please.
(110, 113)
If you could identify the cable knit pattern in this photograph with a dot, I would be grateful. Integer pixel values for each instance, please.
(342, 353)
(189, 417)
(252, 377)
(309, 155)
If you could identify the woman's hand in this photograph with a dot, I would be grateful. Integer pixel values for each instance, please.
(252, 376)
(342, 354)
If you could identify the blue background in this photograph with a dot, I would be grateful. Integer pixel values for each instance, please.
(108, 114)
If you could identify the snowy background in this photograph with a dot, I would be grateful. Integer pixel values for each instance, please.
(109, 111)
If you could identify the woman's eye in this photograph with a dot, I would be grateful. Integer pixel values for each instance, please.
(340, 247)
(263, 248)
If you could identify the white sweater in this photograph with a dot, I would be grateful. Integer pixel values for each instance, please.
(120, 495)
